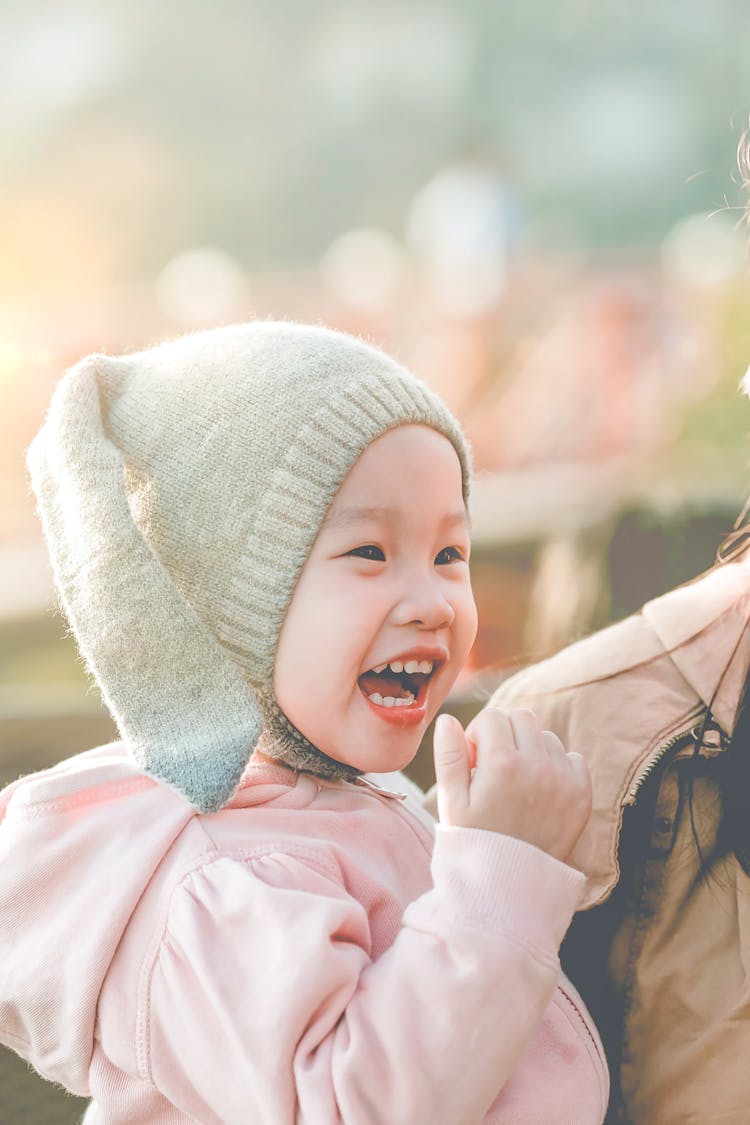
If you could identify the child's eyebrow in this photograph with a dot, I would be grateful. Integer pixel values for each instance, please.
(351, 517)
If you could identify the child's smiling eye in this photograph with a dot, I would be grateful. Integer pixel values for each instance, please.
(449, 555)
(369, 551)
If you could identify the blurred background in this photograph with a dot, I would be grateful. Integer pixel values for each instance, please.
(535, 204)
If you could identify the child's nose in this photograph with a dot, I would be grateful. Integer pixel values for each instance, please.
(424, 603)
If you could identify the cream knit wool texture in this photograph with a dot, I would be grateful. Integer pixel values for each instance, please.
(180, 490)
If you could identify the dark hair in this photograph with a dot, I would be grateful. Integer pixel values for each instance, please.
(735, 786)
(734, 831)
(738, 538)
(735, 776)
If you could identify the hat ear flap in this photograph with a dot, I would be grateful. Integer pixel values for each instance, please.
(178, 699)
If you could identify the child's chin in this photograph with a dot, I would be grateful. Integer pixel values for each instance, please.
(394, 761)
(385, 760)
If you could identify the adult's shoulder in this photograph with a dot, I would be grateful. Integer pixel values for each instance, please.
(661, 660)
(614, 652)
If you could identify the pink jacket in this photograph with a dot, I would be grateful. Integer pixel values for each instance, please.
(314, 952)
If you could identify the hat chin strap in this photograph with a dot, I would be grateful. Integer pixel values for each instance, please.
(178, 699)
(284, 742)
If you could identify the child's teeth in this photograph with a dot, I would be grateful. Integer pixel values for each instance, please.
(410, 666)
(391, 700)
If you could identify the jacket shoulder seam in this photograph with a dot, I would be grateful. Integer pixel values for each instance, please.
(327, 868)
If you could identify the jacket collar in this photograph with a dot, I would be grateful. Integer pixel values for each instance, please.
(622, 695)
(701, 631)
(703, 626)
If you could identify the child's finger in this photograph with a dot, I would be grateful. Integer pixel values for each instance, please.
(553, 745)
(488, 731)
(527, 732)
(452, 769)
(580, 768)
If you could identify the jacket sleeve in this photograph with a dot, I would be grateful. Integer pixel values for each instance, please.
(265, 1003)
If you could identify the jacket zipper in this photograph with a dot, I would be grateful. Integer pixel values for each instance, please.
(365, 783)
(693, 734)
(593, 1039)
(714, 740)
(651, 765)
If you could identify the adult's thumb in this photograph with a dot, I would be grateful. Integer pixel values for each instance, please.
(452, 770)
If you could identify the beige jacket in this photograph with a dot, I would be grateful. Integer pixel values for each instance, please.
(664, 958)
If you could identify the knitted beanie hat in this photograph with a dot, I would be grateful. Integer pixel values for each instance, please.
(181, 490)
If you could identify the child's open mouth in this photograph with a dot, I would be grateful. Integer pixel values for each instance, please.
(397, 691)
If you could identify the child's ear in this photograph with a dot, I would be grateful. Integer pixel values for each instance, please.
(178, 699)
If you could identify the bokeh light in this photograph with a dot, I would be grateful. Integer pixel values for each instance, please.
(706, 250)
(202, 287)
(364, 268)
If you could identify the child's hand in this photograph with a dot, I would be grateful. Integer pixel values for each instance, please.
(507, 775)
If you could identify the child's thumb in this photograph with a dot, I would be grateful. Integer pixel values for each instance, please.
(452, 770)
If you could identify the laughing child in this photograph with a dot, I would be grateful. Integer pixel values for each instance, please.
(260, 538)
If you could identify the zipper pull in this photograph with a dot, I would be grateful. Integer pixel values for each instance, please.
(714, 740)
(375, 788)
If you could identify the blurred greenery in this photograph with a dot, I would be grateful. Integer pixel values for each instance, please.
(268, 129)
(711, 438)
(40, 650)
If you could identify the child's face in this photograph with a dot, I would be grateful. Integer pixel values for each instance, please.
(386, 583)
